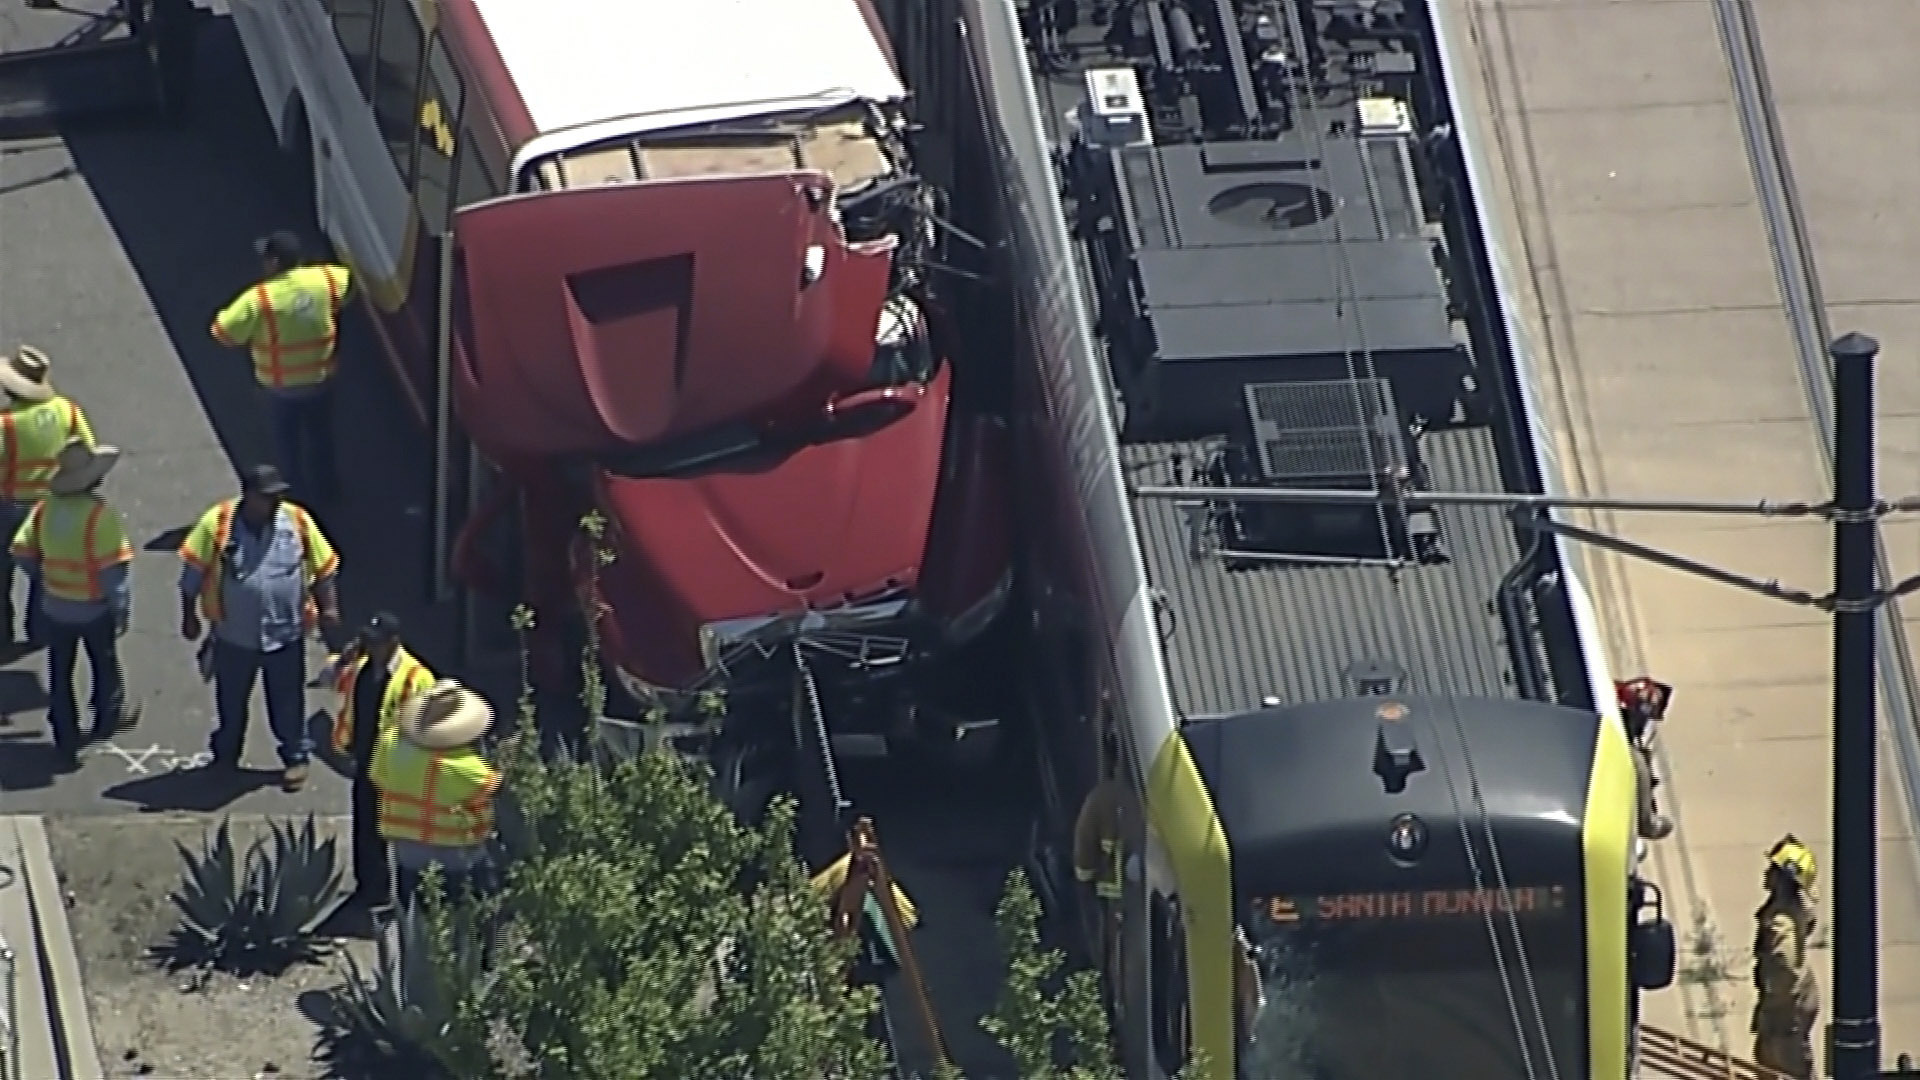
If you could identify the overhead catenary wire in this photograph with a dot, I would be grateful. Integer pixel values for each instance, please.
(1358, 357)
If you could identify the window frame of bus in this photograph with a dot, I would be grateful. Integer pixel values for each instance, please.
(406, 162)
(361, 67)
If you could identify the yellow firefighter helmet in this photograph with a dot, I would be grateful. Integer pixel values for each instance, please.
(1794, 857)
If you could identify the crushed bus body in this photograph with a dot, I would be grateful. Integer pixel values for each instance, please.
(674, 275)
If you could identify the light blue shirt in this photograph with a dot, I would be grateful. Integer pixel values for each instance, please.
(263, 586)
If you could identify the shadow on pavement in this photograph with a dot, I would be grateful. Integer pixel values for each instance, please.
(191, 790)
(20, 691)
(186, 203)
(27, 761)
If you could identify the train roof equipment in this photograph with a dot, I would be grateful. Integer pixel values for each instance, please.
(1280, 309)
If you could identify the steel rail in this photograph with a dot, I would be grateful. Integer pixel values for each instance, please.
(1798, 275)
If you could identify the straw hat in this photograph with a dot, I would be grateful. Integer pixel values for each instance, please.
(446, 717)
(80, 466)
(24, 375)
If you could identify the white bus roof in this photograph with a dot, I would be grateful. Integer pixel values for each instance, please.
(671, 63)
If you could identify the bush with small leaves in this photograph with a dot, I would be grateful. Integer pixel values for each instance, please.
(257, 911)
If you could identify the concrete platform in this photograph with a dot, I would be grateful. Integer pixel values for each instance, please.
(54, 1035)
(1628, 227)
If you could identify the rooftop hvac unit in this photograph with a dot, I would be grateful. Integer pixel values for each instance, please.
(1345, 434)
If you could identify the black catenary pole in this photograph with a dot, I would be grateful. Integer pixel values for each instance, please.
(1853, 1039)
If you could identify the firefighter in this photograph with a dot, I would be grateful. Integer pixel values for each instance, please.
(375, 675)
(436, 791)
(263, 574)
(75, 547)
(1788, 1000)
(1643, 702)
(1100, 859)
(36, 424)
(290, 322)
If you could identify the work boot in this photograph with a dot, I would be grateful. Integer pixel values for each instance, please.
(294, 778)
(103, 730)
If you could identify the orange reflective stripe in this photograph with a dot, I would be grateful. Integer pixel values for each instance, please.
(10, 486)
(270, 319)
(73, 578)
(73, 422)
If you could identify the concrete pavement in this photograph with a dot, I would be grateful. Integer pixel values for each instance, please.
(1630, 227)
(116, 246)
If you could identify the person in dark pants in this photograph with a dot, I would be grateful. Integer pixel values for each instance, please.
(289, 322)
(262, 573)
(74, 546)
(375, 676)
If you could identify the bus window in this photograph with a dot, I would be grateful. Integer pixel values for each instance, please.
(397, 78)
(442, 98)
(1168, 956)
(477, 180)
(357, 24)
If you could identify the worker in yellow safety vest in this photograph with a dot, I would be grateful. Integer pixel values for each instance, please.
(76, 547)
(263, 574)
(375, 675)
(1787, 999)
(290, 321)
(436, 791)
(36, 424)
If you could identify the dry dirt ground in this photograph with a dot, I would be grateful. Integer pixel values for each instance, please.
(117, 872)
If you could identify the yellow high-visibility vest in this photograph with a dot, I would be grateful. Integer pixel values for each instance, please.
(290, 323)
(438, 797)
(409, 677)
(31, 435)
(75, 538)
(207, 542)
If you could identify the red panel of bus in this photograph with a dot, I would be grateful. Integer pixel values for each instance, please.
(623, 315)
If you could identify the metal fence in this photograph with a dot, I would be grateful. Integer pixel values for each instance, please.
(9, 1013)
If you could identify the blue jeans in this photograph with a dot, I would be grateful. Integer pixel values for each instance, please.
(64, 641)
(303, 437)
(12, 516)
(284, 671)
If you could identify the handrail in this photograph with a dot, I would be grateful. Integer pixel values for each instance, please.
(1665, 1054)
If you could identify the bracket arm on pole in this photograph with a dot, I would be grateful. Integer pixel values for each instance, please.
(1768, 587)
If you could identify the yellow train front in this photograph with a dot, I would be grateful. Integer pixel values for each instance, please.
(1428, 889)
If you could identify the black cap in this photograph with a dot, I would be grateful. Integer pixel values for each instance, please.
(384, 626)
(263, 480)
(282, 246)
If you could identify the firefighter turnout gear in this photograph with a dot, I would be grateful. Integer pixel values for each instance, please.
(1787, 1000)
(1098, 841)
(207, 544)
(290, 324)
(406, 678)
(435, 790)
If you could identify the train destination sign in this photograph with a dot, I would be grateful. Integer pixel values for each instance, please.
(1418, 904)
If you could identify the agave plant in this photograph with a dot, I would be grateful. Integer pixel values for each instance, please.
(398, 1013)
(257, 911)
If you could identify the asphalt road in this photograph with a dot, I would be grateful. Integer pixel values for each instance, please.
(116, 246)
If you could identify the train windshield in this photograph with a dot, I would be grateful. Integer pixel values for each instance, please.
(1406, 985)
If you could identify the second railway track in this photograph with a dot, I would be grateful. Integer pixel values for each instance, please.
(1687, 208)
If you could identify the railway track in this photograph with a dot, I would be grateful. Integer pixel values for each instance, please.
(1797, 271)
